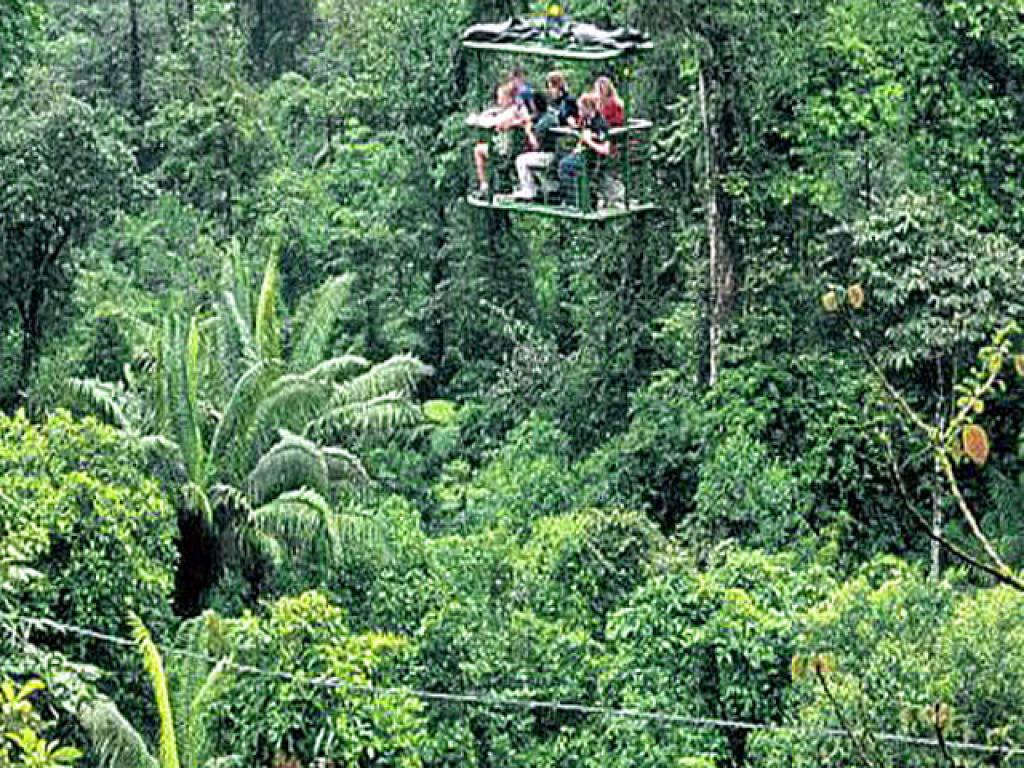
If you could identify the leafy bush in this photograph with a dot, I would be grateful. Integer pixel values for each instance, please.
(79, 510)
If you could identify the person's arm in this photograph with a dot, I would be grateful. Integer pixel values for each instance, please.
(601, 147)
(531, 136)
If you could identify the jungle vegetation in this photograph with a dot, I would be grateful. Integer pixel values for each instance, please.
(305, 462)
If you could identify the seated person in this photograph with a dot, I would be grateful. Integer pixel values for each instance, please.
(542, 145)
(593, 137)
(611, 106)
(523, 89)
(562, 100)
(506, 116)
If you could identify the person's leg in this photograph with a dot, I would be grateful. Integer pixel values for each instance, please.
(526, 164)
(480, 153)
(568, 171)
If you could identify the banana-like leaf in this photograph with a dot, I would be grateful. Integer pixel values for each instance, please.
(318, 325)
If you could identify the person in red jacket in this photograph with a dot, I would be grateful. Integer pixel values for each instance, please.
(612, 109)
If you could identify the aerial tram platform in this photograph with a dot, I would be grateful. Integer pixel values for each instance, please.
(616, 186)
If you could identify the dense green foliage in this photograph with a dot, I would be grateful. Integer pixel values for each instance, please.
(362, 476)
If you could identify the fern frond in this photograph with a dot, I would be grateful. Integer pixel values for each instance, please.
(292, 463)
(154, 666)
(399, 374)
(268, 330)
(318, 325)
(337, 368)
(114, 740)
(102, 398)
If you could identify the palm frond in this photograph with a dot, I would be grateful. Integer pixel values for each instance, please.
(338, 368)
(154, 666)
(241, 407)
(194, 681)
(268, 330)
(181, 393)
(114, 740)
(289, 403)
(399, 374)
(345, 466)
(292, 463)
(227, 496)
(379, 416)
(234, 335)
(102, 398)
(197, 500)
(318, 325)
(298, 520)
(238, 281)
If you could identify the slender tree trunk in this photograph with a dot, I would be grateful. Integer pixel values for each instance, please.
(722, 266)
(135, 57)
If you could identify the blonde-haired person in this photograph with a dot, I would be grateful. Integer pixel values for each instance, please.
(593, 137)
(611, 106)
(505, 116)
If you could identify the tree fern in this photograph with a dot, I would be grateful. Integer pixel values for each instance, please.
(154, 666)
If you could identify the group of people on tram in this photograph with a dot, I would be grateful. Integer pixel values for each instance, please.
(536, 113)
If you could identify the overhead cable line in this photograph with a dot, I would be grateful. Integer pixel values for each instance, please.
(510, 702)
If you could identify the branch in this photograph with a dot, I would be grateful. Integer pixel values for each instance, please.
(861, 745)
(957, 552)
(965, 510)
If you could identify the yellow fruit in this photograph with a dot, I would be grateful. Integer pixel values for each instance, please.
(855, 295)
(830, 301)
(1018, 363)
(976, 445)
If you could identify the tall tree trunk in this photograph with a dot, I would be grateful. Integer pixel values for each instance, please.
(721, 261)
(135, 57)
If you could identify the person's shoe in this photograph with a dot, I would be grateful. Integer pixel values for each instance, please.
(481, 193)
(523, 195)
